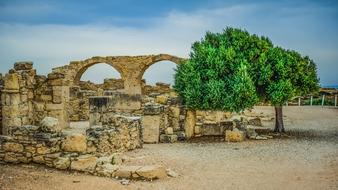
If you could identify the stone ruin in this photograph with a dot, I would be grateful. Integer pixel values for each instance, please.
(36, 113)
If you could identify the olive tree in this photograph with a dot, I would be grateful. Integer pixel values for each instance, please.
(216, 77)
(233, 70)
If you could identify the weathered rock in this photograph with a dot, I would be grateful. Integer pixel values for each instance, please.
(24, 65)
(211, 128)
(189, 124)
(84, 163)
(115, 159)
(124, 181)
(39, 159)
(10, 157)
(11, 82)
(153, 109)
(168, 138)
(255, 121)
(13, 147)
(171, 173)
(141, 172)
(151, 128)
(107, 169)
(251, 133)
(234, 135)
(50, 125)
(151, 172)
(261, 138)
(181, 136)
(61, 163)
(75, 143)
(126, 171)
(169, 131)
(161, 99)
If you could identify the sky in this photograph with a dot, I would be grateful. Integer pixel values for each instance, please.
(52, 33)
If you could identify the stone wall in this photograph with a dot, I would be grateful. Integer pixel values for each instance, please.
(47, 144)
(17, 96)
(159, 88)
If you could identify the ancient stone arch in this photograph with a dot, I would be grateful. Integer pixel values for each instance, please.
(82, 70)
(131, 68)
(158, 58)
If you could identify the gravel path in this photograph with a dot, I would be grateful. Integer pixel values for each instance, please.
(308, 159)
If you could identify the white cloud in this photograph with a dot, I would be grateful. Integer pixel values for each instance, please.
(50, 46)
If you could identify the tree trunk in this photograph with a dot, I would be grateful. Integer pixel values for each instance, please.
(279, 125)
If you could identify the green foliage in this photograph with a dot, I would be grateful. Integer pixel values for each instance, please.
(232, 70)
(291, 75)
(216, 77)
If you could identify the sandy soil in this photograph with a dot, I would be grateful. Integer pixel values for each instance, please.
(308, 159)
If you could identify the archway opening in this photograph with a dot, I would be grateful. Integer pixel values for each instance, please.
(98, 79)
(101, 75)
(159, 78)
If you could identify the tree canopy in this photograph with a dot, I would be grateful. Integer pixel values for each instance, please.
(233, 70)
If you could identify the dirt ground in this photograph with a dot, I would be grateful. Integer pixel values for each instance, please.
(308, 159)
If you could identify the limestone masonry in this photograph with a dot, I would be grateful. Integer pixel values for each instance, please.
(37, 114)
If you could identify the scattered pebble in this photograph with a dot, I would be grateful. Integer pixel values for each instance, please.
(124, 181)
(171, 173)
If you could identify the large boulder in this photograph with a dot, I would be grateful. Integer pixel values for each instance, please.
(50, 125)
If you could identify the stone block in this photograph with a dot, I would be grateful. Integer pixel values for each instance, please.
(11, 157)
(42, 150)
(141, 172)
(84, 163)
(51, 107)
(212, 129)
(107, 170)
(24, 65)
(39, 159)
(151, 172)
(126, 171)
(174, 113)
(62, 163)
(15, 99)
(10, 111)
(151, 128)
(234, 135)
(75, 143)
(189, 125)
(227, 125)
(255, 121)
(39, 106)
(153, 109)
(50, 125)
(161, 99)
(116, 101)
(168, 138)
(197, 129)
(11, 82)
(13, 147)
(169, 131)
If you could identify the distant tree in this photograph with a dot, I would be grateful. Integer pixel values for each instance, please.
(233, 70)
